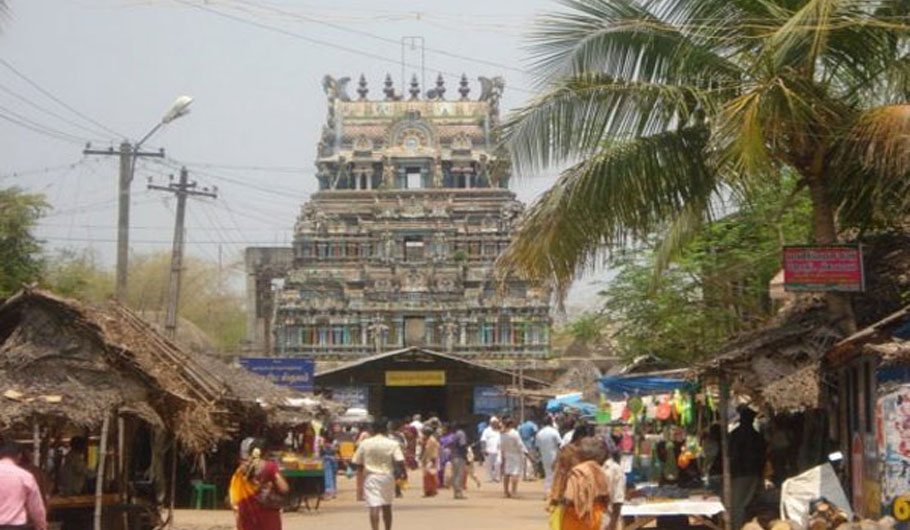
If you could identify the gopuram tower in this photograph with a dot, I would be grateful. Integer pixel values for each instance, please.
(397, 247)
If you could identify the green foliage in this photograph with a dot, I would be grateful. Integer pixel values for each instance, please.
(20, 252)
(78, 275)
(717, 287)
(204, 300)
(587, 327)
(658, 109)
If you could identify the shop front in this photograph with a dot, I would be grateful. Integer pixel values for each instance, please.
(401, 383)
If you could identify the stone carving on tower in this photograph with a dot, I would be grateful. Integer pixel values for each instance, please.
(397, 247)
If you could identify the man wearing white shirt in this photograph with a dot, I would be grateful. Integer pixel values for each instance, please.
(548, 444)
(490, 440)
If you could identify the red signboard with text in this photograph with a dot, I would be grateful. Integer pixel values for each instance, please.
(823, 268)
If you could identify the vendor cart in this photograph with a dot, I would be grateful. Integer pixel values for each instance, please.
(706, 511)
(304, 485)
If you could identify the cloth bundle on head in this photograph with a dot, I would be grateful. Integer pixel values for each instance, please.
(587, 482)
(245, 446)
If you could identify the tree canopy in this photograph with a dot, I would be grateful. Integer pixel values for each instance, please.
(666, 109)
(20, 252)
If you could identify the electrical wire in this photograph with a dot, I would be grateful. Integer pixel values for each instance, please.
(49, 112)
(321, 42)
(40, 130)
(57, 100)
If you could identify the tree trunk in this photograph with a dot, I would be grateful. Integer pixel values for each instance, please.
(824, 232)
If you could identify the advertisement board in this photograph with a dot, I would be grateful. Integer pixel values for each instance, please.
(293, 372)
(489, 400)
(823, 268)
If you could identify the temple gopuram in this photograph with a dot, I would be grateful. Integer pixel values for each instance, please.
(396, 249)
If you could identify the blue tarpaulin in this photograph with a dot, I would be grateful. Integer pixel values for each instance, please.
(571, 401)
(620, 386)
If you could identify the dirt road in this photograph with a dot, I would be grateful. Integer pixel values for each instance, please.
(485, 509)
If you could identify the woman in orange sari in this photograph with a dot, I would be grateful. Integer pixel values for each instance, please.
(585, 496)
(256, 490)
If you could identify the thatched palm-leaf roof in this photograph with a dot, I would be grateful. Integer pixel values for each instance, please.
(64, 359)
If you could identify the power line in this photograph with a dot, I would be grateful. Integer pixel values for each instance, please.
(37, 125)
(48, 169)
(60, 102)
(48, 111)
(322, 42)
(40, 130)
(384, 39)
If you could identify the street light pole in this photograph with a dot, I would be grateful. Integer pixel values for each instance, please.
(128, 155)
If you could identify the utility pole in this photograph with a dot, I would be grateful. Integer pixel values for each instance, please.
(182, 189)
(128, 155)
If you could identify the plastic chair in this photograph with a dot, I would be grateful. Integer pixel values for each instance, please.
(203, 491)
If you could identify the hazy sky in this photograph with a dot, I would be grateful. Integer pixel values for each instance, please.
(255, 69)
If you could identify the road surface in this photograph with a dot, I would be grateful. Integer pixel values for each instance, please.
(485, 509)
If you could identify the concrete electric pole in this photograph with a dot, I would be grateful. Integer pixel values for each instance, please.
(128, 155)
(182, 190)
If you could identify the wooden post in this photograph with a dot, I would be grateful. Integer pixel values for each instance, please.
(36, 444)
(170, 517)
(725, 449)
(99, 477)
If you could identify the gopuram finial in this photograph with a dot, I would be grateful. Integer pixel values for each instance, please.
(389, 88)
(463, 87)
(415, 88)
(440, 86)
(362, 89)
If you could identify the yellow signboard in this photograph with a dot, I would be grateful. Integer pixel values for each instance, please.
(415, 378)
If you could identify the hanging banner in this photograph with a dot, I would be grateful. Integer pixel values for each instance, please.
(823, 268)
(293, 372)
(415, 378)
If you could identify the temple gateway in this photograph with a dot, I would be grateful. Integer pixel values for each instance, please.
(396, 249)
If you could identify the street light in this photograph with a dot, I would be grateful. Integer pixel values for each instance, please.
(128, 155)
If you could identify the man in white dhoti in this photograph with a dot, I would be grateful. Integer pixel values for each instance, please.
(376, 459)
(548, 443)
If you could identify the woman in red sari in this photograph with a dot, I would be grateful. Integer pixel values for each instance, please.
(256, 491)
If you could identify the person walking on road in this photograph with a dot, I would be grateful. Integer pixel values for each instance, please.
(459, 459)
(489, 440)
(21, 505)
(548, 442)
(513, 456)
(377, 459)
(429, 462)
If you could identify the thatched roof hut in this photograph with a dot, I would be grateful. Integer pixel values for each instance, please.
(61, 360)
(778, 364)
(69, 361)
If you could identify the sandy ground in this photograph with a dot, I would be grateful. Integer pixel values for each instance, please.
(485, 509)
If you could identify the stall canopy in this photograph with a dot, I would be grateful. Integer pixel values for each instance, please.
(573, 401)
(622, 386)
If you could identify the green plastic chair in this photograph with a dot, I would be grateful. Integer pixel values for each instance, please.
(202, 492)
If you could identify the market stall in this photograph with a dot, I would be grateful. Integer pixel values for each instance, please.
(302, 466)
(660, 425)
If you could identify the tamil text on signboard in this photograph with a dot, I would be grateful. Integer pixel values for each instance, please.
(490, 400)
(823, 268)
(415, 378)
(295, 373)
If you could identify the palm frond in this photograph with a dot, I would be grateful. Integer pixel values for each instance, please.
(622, 193)
(801, 39)
(625, 40)
(575, 118)
(880, 140)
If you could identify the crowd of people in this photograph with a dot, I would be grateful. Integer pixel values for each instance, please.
(582, 486)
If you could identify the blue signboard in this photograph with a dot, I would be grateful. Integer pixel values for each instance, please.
(490, 400)
(292, 372)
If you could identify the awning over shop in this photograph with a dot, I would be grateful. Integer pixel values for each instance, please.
(621, 386)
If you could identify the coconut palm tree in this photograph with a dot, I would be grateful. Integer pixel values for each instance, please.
(663, 110)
